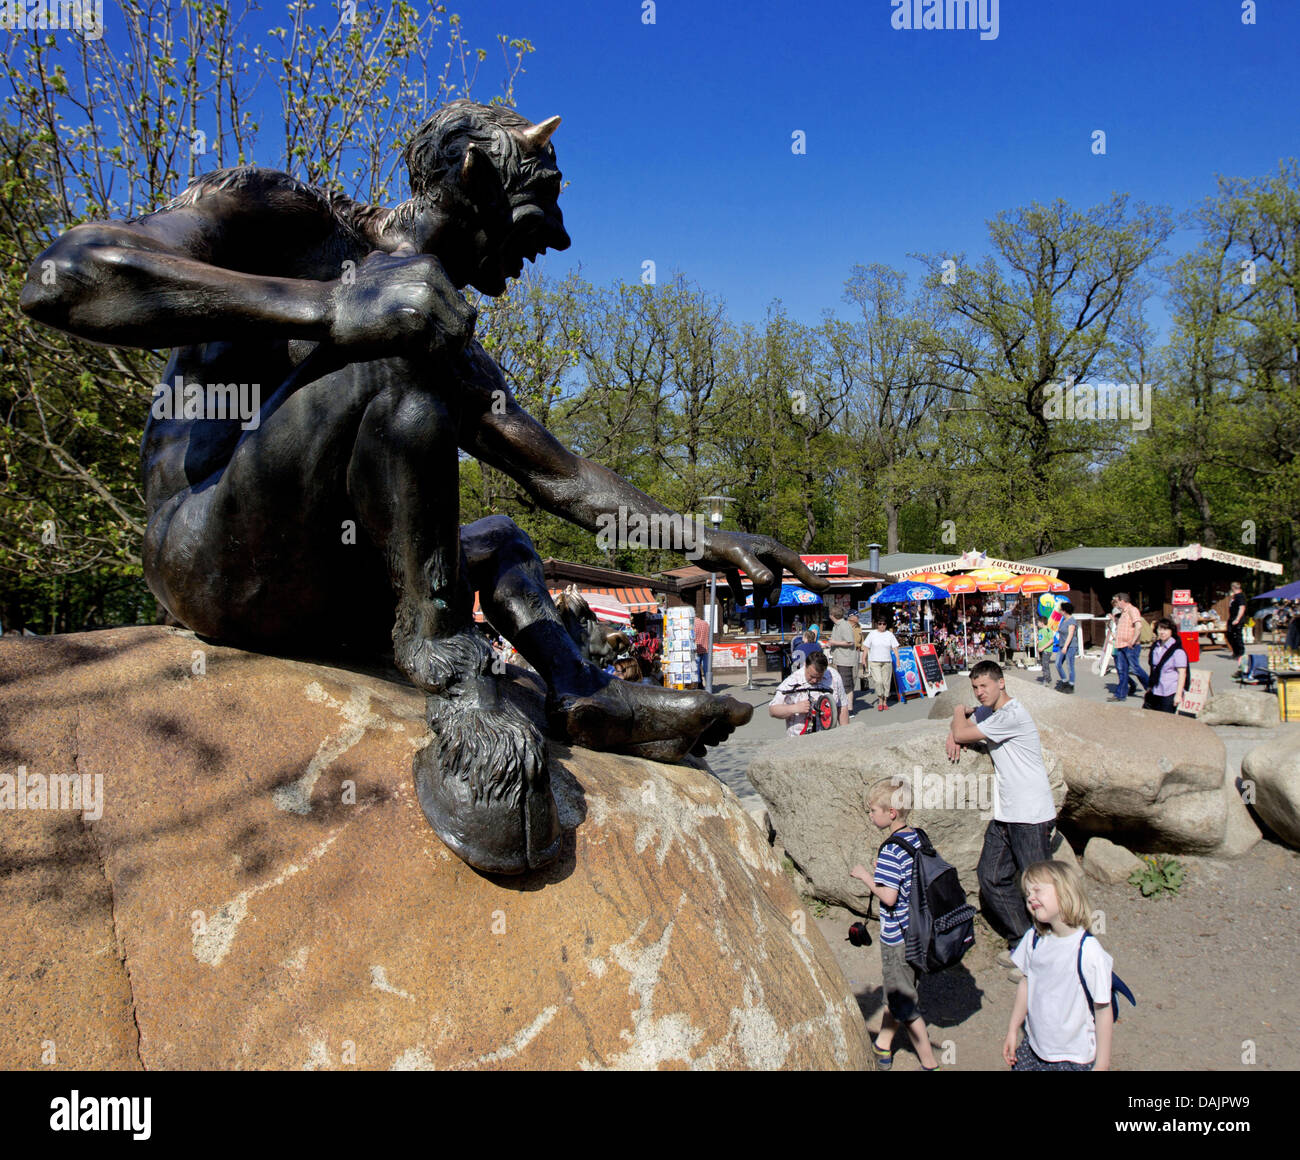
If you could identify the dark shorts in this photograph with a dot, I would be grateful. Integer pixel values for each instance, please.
(1026, 1060)
(900, 983)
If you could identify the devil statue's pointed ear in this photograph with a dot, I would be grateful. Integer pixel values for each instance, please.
(480, 181)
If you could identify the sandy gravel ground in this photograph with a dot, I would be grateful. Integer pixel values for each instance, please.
(1215, 968)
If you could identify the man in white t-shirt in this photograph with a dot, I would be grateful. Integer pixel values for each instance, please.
(791, 701)
(1024, 814)
(879, 654)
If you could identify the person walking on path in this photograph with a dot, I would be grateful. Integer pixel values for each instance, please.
(1063, 1001)
(842, 651)
(880, 653)
(702, 650)
(1069, 630)
(1236, 617)
(890, 880)
(1128, 647)
(858, 634)
(1024, 814)
(1168, 669)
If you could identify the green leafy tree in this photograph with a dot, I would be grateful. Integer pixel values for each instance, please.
(1058, 300)
(113, 128)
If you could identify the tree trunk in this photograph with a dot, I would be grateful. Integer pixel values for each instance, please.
(891, 529)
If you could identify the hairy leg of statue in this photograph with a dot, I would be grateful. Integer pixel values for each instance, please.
(482, 780)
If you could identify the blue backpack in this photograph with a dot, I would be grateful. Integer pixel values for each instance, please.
(1117, 985)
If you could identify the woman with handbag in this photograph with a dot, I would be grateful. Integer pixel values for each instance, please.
(1168, 662)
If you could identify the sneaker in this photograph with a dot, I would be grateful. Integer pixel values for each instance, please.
(1068, 688)
(1120, 700)
(884, 1057)
(1005, 960)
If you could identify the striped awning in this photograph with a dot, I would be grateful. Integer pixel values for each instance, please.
(635, 599)
(612, 604)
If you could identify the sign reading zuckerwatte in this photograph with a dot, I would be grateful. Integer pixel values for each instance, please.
(907, 674)
(827, 565)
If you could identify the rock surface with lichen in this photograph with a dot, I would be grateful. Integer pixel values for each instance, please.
(260, 890)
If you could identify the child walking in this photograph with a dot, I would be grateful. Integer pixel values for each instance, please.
(1063, 1031)
(890, 803)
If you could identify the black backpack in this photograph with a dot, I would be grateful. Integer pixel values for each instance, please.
(1117, 985)
(940, 922)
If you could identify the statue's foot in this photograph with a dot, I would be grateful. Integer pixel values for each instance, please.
(645, 720)
(483, 781)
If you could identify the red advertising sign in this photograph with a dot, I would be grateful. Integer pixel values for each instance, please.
(732, 656)
(931, 670)
(1183, 596)
(827, 565)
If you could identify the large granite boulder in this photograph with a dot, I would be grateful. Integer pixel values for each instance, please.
(1237, 706)
(1149, 781)
(815, 788)
(1271, 772)
(251, 884)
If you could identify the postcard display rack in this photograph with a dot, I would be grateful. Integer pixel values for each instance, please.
(679, 664)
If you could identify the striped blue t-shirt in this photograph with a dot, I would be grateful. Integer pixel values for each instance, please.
(894, 868)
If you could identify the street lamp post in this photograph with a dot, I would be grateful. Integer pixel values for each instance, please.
(717, 505)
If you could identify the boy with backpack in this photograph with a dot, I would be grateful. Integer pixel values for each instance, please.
(890, 802)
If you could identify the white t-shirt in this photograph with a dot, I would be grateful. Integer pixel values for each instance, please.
(831, 682)
(880, 646)
(1021, 792)
(1059, 1024)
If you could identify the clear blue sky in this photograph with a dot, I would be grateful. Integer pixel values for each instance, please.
(677, 135)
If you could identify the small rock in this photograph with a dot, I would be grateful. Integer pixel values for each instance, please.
(1107, 862)
(761, 816)
(1240, 707)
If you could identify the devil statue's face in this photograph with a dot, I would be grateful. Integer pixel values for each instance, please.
(494, 176)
